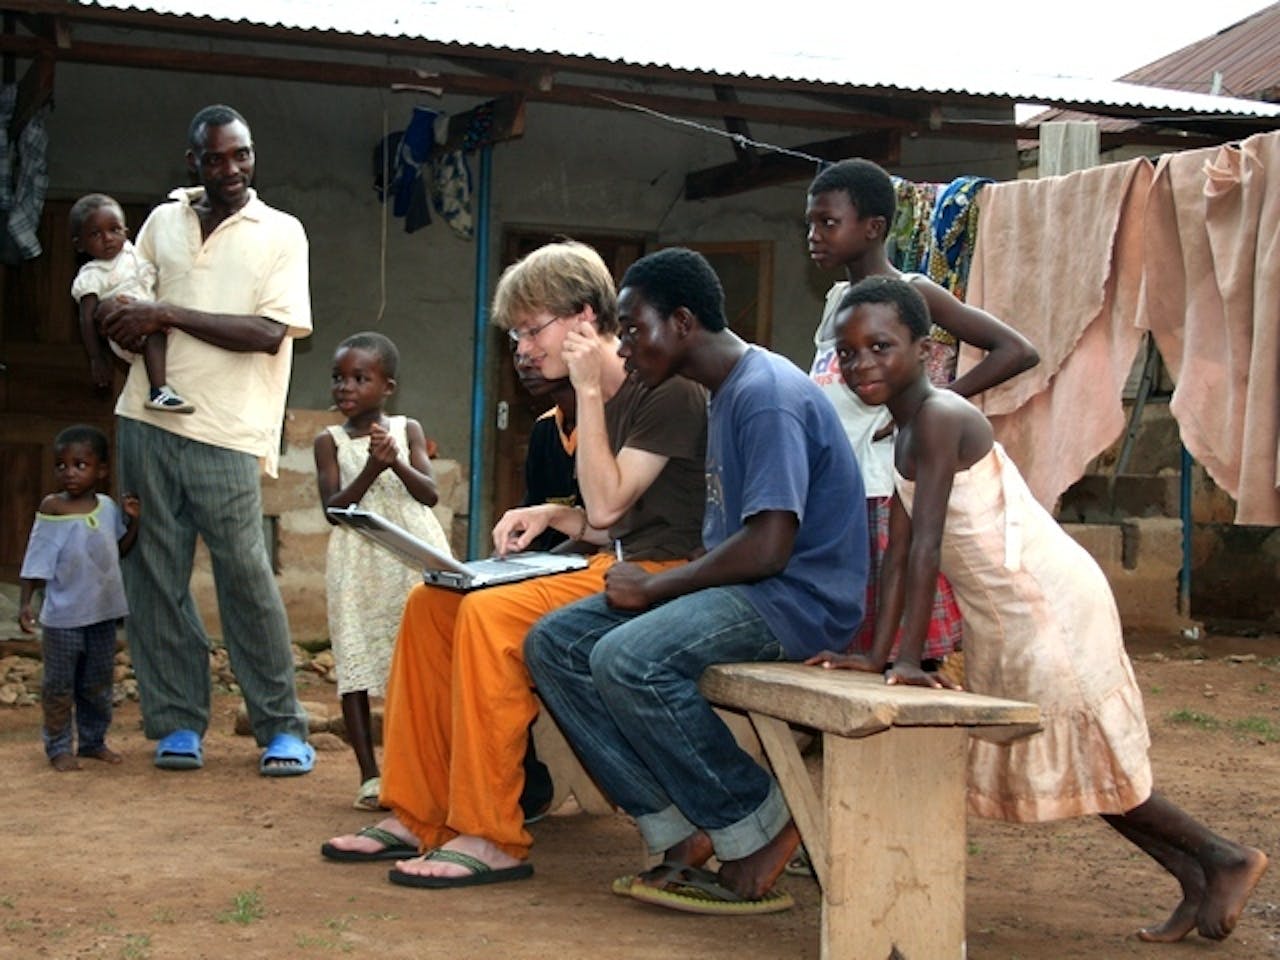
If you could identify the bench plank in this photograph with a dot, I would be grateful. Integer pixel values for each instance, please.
(852, 704)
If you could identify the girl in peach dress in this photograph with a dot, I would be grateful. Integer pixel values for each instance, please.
(1040, 621)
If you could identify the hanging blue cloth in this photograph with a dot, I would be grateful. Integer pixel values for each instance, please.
(954, 232)
(414, 153)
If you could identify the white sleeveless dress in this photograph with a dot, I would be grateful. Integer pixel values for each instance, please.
(367, 585)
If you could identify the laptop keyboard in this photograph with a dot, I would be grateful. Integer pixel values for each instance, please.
(494, 567)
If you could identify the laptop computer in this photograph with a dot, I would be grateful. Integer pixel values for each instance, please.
(441, 570)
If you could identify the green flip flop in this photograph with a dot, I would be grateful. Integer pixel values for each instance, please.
(480, 873)
(393, 848)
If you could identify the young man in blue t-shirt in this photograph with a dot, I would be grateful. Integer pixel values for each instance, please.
(783, 574)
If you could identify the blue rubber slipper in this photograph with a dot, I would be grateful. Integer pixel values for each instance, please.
(180, 750)
(287, 747)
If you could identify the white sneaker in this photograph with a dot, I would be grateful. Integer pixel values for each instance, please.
(165, 399)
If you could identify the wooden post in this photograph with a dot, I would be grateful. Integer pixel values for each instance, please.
(789, 769)
(895, 845)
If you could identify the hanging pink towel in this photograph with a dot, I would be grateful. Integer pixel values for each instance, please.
(1212, 302)
(1060, 260)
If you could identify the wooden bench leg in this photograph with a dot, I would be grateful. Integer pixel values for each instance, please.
(568, 776)
(895, 832)
(788, 768)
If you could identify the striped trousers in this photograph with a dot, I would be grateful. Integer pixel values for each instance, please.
(189, 488)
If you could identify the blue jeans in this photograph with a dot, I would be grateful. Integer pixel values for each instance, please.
(624, 688)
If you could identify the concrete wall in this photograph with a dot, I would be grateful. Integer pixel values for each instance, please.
(1132, 524)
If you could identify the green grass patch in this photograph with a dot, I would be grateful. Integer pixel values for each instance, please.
(246, 907)
(137, 946)
(1261, 728)
(1194, 718)
(1254, 727)
(308, 941)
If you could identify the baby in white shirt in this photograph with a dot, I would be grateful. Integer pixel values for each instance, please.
(115, 269)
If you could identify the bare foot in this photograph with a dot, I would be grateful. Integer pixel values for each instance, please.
(693, 851)
(1182, 921)
(753, 876)
(64, 762)
(1227, 891)
(103, 753)
(358, 843)
(477, 847)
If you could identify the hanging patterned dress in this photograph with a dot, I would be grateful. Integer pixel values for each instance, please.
(367, 585)
(1040, 625)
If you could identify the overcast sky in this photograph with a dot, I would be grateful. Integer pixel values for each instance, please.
(1100, 39)
(1084, 38)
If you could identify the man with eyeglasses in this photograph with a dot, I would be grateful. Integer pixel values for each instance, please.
(459, 699)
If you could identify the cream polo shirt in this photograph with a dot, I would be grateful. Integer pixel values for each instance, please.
(254, 263)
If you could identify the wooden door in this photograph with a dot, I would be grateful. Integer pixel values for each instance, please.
(44, 381)
(745, 270)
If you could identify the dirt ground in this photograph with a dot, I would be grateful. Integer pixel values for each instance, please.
(131, 862)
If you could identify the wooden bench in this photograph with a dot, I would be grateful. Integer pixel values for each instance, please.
(887, 838)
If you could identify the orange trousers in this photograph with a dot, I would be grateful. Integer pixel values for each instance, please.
(459, 703)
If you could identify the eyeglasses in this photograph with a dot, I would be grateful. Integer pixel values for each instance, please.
(516, 334)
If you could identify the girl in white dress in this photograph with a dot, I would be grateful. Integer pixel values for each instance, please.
(1040, 622)
(380, 463)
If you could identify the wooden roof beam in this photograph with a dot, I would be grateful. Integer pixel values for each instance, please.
(364, 74)
(35, 88)
(162, 23)
(501, 119)
(737, 127)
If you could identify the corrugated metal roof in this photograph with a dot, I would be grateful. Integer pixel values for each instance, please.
(1245, 56)
(643, 40)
